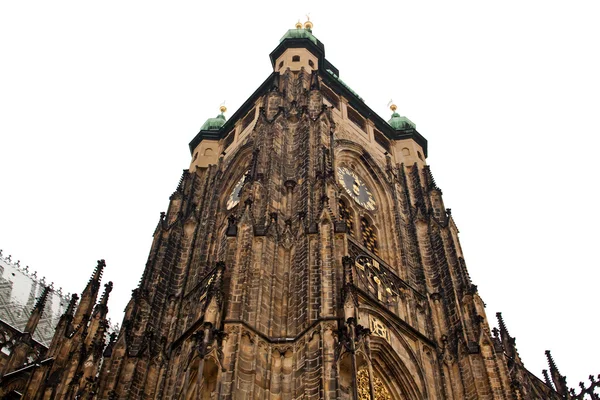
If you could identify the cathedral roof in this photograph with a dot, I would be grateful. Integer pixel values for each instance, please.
(397, 128)
(299, 34)
(400, 123)
(214, 124)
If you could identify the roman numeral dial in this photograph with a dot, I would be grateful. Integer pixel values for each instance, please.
(356, 188)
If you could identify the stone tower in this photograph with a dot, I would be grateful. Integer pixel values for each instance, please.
(306, 254)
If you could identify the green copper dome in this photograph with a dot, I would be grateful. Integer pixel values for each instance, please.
(214, 124)
(299, 34)
(400, 123)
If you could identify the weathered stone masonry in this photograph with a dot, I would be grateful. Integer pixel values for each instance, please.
(267, 279)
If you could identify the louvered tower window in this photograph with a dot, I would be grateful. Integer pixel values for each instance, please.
(346, 215)
(368, 235)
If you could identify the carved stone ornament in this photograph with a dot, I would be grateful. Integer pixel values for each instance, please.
(378, 328)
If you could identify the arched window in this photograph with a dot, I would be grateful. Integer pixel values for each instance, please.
(296, 58)
(347, 216)
(311, 63)
(369, 236)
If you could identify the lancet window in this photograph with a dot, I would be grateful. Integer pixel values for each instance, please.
(346, 215)
(369, 237)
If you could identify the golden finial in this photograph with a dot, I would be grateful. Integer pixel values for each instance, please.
(392, 106)
(223, 108)
(308, 25)
(298, 25)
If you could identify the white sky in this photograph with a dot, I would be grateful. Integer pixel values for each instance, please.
(99, 100)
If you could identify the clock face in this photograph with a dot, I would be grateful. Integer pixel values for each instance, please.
(234, 197)
(356, 188)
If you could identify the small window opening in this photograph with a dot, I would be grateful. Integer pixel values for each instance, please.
(355, 117)
(405, 151)
(195, 156)
(281, 65)
(248, 119)
(381, 140)
(296, 58)
(330, 96)
(311, 63)
(228, 139)
(420, 155)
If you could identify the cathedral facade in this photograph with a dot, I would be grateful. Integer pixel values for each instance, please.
(306, 254)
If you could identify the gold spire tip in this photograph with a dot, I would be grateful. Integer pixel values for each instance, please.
(223, 109)
(308, 25)
(393, 107)
(298, 25)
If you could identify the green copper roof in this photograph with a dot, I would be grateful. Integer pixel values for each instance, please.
(299, 34)
(399, 123)
(214, 124)
(344, 83)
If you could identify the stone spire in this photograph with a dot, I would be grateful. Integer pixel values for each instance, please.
(89, 295)
(64, 325)
(547, 378)
(508, 342)
(98, 324)
(72, 303)
(560, 382)
(25, 342)
(37, 312)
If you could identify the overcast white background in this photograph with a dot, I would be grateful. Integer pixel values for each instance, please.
(99, 100)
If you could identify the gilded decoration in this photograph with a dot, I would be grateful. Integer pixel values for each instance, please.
(381, 392)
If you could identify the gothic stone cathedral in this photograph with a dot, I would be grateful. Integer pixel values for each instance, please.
(306, 254)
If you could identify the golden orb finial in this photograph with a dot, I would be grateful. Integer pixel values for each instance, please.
(308, 25)
(223, 109)
(393, 107)
(298, 25)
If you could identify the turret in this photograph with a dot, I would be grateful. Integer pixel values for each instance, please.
(409, 148)
(298, 49)
(206, 151)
